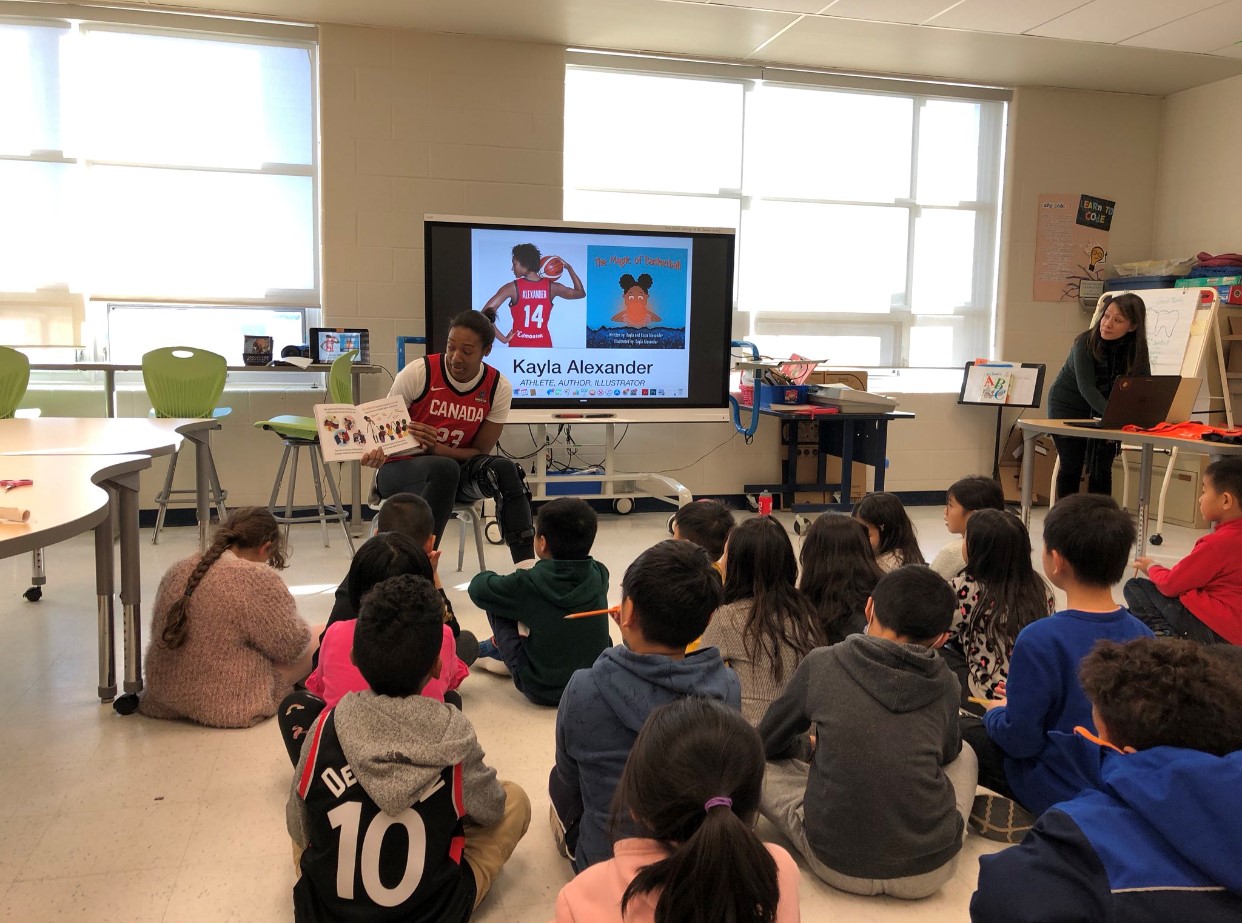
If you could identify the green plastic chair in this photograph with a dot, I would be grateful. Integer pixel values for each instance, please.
(183, 381)
(297, 433)
(14, 379)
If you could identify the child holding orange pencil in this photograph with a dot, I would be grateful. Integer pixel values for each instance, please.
(565, 580)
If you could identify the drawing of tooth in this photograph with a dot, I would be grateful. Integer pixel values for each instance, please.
(1165, 322)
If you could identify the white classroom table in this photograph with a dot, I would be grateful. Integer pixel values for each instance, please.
(38, 441)
(1148, 442)
(71, 494)
(109, 370)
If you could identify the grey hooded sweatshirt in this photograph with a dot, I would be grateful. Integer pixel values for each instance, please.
(396, 748)
(877, 803)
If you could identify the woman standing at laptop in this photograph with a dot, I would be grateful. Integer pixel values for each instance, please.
(1114, 345)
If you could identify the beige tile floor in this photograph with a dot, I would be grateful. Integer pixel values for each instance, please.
(108, 818)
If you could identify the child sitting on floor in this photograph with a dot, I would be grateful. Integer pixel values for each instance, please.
(964, 498)
(226, 638)
(891, 532)
(565, 580)
(692, 784)
(839, 573)
(707, 523)
(1200, 597)
(880, 808)
(1087, 542)
(1159, 839)
(390, 757)
(765, 626)
(667, 596)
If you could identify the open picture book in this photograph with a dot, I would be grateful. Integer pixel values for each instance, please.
(347, 432)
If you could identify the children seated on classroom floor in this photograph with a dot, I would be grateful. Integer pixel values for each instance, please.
(565, 580)
(1200, 597)
(766, 626)
(667, 597)
(876, 799)
(413, 763)
(1087, 542)
(707, 523)
(964, 498)
(1160, 838)
(892, 534)
(692, 782)
(388, 554)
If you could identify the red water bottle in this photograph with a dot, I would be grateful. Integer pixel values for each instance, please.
(765, 503)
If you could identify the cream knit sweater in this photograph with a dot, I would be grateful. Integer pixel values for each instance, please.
(242, 621)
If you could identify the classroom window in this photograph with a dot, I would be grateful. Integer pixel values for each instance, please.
(867, 216)
(190, 198)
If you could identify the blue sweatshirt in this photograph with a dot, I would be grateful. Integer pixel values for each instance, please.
(1044, 695)
(1160, 841)
(600, 715)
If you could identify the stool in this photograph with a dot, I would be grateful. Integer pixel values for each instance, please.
(296, 435)
(183, 381)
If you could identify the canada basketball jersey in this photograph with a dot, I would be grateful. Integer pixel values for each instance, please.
(531, 313)
(365, 865)
(456, 415)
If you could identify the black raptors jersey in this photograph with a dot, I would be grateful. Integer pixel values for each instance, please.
(364, 865)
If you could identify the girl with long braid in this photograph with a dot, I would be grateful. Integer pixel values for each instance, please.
(226, 638)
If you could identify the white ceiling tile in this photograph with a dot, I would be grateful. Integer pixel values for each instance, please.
(908, 11)
(1114, 21)
(1200, 32)
(1015, 18)
(780, 6)
(1230, 51)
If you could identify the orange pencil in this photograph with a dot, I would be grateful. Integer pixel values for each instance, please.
(615, 610)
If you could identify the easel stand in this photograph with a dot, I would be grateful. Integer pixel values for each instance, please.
(997, 384)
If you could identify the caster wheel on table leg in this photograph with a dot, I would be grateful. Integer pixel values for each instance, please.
(34, 594)
(126, 704)
(801, 524)
(623, 506)
(492, 532)
(670, 523)
(1156, 539)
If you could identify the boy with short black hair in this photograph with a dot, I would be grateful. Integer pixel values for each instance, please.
(1159, 840)
(563, 581)
(707, 523)
(667, 597)
(1087, 545)
(880, 808)
(391, 757)
(1200, 597)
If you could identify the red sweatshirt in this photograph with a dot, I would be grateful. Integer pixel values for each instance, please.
(1208, 581)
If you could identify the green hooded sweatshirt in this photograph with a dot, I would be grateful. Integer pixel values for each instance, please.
(540, 597)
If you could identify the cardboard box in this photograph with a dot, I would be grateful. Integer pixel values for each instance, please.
(856, 380)
(808, 456)
(1233, 362)
(1011, 468)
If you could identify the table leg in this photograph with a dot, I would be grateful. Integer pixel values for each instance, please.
(131, 581)
(881, 466)
(790, 487)
(1028, 473)
(1144, 493)
(202, 486)
(110, 392)
(847, 461)
(610, 461)
(104, 591)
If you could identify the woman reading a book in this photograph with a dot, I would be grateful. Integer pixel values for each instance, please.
(458, 406)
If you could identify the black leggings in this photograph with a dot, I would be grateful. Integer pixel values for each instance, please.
(1096, 454)
(443, 481)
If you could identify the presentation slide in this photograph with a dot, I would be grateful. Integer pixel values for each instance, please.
(583, 316)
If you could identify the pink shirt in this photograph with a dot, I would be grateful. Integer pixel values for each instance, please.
(337, 675)
(595, 895)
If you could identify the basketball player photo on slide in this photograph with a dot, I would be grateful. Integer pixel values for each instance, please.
(529, 297)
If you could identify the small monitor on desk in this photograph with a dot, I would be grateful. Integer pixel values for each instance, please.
(327, 344)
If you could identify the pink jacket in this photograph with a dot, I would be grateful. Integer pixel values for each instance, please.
(595, 895)
(337, 675)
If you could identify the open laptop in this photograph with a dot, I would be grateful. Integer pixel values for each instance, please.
(1136, 400)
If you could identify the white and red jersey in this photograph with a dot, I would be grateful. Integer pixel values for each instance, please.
(531, 312)
(456, 410)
